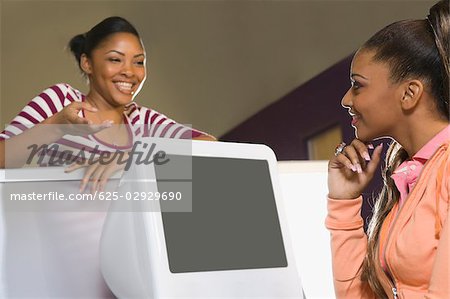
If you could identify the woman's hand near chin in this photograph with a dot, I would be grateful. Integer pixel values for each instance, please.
(351, 171)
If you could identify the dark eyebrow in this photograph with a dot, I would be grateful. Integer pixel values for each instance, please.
(358, 75)
(122, 54)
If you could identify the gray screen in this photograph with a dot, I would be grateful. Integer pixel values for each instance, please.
(234, 221)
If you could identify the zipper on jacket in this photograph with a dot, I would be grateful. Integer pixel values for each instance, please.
(391, 279)
(394, 291)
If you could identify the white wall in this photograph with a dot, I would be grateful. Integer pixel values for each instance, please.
(304, 186)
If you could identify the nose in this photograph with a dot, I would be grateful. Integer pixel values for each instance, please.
(127, 70)
(346, 101)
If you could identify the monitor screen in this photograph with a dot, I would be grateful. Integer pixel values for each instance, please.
(234, 221)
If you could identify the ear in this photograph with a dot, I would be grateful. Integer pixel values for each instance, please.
(85, 64)
(412, 93)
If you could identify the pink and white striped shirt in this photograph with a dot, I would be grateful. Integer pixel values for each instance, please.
(140, 121)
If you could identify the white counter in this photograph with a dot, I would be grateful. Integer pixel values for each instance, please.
(48, 254)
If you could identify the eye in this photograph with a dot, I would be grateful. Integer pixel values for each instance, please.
(355, 85)
(139, 62)
(113, 59)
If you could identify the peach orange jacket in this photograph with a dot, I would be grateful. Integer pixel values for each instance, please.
(417, 245)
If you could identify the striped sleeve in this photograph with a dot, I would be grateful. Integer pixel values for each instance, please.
(43, 106)
(158, 125)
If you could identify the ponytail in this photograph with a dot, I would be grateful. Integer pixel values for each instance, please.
(388, 197)
(439, 22)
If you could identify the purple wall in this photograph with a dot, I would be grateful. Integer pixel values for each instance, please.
(287, 124)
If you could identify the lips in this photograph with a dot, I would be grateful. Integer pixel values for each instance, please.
(355, 117)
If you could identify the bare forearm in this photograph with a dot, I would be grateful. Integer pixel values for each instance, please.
(15, 151)
(205, 138)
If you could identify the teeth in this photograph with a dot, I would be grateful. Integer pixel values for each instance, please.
(124, 86)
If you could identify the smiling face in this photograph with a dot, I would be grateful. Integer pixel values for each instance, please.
(373, 100)
(116, 70)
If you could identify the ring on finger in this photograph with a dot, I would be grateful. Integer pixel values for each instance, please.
(339, 148)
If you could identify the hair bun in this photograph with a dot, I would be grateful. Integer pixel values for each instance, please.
(77, 45)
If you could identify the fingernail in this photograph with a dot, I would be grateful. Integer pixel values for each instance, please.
(370, 146)
(366, 156)
(352, 167)
(358, 168)
(94, 109)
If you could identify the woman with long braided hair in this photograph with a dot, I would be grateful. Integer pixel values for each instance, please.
(400, 89)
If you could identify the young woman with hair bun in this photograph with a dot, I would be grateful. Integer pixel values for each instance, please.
(112, 58)
(400, 89)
